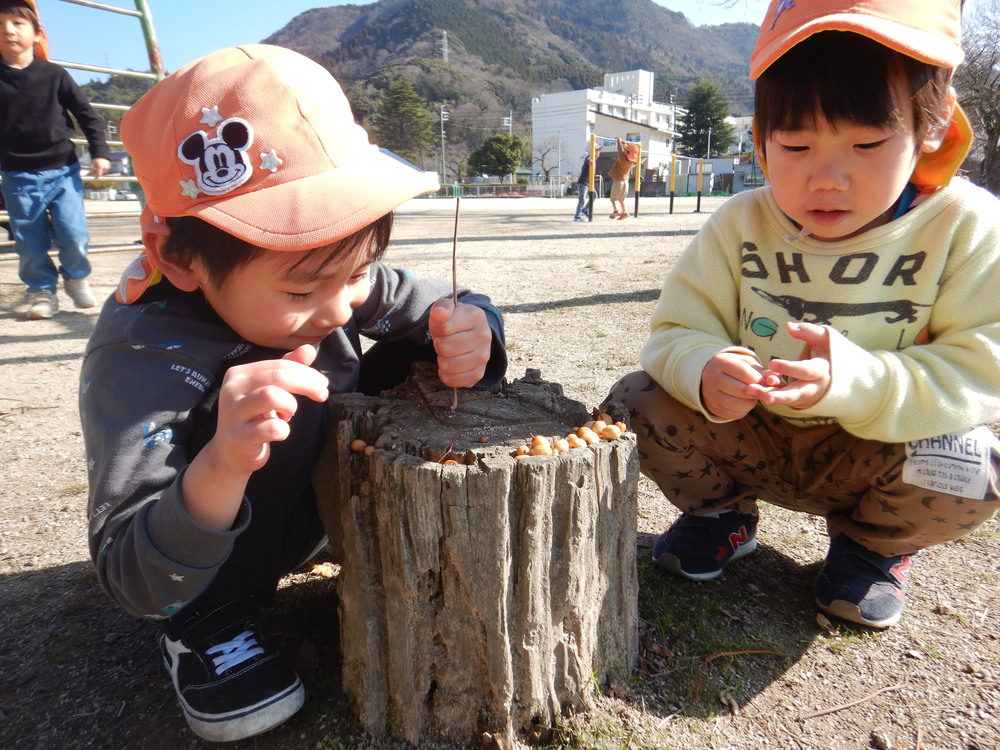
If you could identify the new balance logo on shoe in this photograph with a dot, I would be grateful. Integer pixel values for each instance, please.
(699, 547)
(736, 540)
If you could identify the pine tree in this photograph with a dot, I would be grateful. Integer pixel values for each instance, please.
(704, 131)
(402, 122)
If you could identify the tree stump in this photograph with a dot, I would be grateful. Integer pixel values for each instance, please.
(482, 598)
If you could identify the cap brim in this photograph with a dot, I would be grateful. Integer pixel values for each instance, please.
(321, 208)
(920, 45)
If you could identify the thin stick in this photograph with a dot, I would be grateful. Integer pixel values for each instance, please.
(454, 283)
(717, 654)
(826, 711)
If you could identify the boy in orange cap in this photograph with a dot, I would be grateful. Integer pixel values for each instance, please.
(204, 384)
(830, 343)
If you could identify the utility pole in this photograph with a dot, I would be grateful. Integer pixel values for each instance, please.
(559, 163)
(708, 151)
(444, 119)
(508, 121)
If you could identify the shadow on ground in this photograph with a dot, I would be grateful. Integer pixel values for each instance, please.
(709, 647)
(100, 682)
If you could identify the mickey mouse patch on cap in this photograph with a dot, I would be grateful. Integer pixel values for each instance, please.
(220, 164)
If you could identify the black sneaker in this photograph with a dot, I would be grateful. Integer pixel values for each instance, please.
(229, 685)
(862, 586)
(699, 547)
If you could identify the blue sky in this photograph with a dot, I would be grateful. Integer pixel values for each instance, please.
(188, 29)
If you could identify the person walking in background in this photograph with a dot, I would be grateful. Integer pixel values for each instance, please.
(619, 175)
(583, 189)
(39, 168)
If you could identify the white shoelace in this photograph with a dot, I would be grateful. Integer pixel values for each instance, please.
(242, 648)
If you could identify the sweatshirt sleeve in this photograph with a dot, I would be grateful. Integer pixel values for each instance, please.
(948, 382)
(399, 304)
(697, 314)
(74, 101)
(150, 556)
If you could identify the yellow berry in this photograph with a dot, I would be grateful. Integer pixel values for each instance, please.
(611, 432)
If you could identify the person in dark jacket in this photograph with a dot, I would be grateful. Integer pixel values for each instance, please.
(204, 385)
(39, 167)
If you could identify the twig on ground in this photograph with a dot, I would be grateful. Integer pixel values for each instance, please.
(717, 654)
(834, 709)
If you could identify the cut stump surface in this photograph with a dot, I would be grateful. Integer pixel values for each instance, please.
(487, 597)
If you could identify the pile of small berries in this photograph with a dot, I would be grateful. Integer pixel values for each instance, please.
(602, 428)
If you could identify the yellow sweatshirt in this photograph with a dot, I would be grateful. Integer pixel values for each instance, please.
(913, 309)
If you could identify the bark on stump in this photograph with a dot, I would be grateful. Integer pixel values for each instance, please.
(481, 599)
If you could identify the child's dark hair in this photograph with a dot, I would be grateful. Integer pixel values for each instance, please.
(221, 253)
(843, 77)
(21, 11)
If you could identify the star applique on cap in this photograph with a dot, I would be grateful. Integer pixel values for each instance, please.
(210, 116)
(271, 160)
(189, 189)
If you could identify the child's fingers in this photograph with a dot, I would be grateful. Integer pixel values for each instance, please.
(285, 374)
(447, 319)
(464, 370)
(810, 334)
(801, 369)
(304, 355)
(727, 406)
(441, 313)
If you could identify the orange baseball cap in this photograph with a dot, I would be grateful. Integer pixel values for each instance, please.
(261, 142)
(926, 30)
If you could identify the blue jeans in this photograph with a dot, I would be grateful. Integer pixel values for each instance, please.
(46, 209)
(581, 199)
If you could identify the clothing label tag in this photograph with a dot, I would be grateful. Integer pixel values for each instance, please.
(957, 463)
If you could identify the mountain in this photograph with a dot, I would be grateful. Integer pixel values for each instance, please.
(501, 53)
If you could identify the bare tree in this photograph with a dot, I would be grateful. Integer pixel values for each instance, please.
(544, 154)
(977, 81)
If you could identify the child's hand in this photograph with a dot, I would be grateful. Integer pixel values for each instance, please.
(256, 402)
(462, 340)
(809, 376)
(731, 384)
(99, 166)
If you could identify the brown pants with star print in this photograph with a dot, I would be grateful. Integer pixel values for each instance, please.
(856, 484)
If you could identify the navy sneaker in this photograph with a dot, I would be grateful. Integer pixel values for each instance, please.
(229, 685)
(862, 586)
(699, 547)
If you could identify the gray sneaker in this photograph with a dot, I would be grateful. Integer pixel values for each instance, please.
(43, 305)
(79, 291)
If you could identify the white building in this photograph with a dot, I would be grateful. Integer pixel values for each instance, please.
(563, 122)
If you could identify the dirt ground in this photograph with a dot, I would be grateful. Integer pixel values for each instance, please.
(76, 673)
